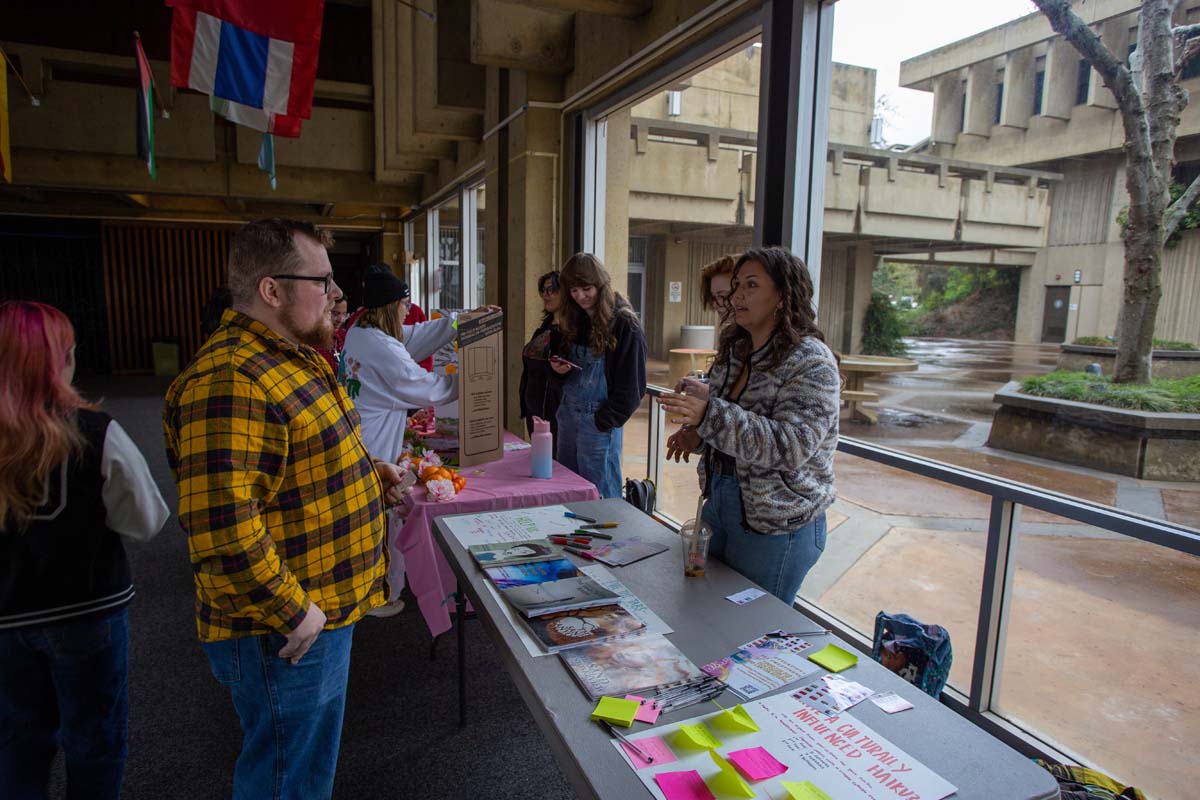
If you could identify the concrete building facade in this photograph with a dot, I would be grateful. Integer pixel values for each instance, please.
(1019, 95)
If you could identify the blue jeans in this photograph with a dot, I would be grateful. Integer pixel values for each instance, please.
(65, 683)
(583, 449)
(776, 563)
(291, 715)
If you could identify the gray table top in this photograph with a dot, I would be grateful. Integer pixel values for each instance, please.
(707, 627)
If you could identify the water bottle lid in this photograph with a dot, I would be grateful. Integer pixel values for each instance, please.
(541, 425)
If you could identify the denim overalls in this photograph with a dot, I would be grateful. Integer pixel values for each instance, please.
(581, 447)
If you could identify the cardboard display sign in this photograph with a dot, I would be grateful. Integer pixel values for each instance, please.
(480, 388)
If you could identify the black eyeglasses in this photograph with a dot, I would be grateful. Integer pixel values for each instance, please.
(325, 281)
(549, 290)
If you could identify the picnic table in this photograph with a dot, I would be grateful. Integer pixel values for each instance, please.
(857, 369)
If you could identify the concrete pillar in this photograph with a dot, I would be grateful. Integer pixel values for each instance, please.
(1058, 87)
(1019, 77)
(678, 268)
(526, 213)
(1115, 35)
(948, 99)
(618, 161)
(1031, 295)
(864, 262)
(981, 98)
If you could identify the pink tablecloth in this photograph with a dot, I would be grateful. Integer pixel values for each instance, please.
(503, 484)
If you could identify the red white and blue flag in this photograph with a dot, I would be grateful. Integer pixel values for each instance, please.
(257, 56)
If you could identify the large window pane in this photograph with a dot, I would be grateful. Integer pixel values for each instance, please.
(900, 542)
(1100, 653)
(447, 288)
(479, 297)
(418, 253)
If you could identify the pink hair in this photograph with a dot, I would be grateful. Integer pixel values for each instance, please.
(38, 428)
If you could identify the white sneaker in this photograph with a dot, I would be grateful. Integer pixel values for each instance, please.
(387, 609)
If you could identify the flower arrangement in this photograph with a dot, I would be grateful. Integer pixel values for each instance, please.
(441, 482)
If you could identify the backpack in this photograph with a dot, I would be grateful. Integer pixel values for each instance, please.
(921, 654)
(1081, 783)
(640, 494)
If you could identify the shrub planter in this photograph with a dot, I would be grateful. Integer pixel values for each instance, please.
(1141, 444)
(1164, 363)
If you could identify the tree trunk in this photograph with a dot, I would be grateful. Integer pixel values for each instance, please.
(1143, 289)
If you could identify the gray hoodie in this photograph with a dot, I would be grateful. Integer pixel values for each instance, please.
(783, 432)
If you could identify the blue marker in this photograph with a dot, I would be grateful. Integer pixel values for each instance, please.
(573, 515)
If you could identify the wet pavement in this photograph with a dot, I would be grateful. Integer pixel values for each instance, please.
(901, 542)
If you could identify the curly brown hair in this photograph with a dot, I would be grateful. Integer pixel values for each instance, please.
(796, 322)
(584, 269)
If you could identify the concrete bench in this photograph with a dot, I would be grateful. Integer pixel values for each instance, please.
(853, 398)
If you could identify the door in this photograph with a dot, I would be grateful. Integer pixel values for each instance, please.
(1054, 318)
(636, 285)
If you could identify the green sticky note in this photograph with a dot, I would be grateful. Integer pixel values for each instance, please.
(616, 711)
(728, 781)
(804, 790)
(834, 658)
(697, 737)
(736, 719)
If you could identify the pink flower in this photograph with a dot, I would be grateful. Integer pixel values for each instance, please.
(440, 490)
(429, 459)
(405, 463)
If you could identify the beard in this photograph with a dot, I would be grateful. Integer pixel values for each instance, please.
(318, 334)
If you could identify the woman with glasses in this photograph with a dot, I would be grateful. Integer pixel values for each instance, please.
(716, 284)
(767, 425)
(541, 391)
(603, 366)
(73, 485)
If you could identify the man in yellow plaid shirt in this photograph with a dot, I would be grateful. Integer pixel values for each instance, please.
(283, 508)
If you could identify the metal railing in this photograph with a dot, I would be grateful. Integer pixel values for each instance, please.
(999, 571)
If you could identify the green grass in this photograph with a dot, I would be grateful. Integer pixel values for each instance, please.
(1180, 395)
(1159, 344)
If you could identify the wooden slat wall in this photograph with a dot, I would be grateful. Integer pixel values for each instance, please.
(157, 279)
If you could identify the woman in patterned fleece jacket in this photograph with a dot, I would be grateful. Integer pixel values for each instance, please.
(767, 426)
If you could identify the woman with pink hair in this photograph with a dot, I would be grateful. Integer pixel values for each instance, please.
(72, 485)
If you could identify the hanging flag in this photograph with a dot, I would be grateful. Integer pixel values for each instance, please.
(145, 110)
(266, 157)
(260, 54)
(256, 118)
(5, 150)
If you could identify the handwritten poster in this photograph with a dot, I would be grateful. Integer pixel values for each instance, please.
(510, 526)
(840, 755)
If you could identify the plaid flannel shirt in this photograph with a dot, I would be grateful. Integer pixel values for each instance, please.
(277, 494)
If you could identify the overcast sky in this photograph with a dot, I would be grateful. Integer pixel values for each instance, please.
(882, 33)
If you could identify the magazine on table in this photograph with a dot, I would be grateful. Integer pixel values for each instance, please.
(539, 599)
(763, 665)
(496, 554)
(628, 665)
(582, 626)
(533, 572)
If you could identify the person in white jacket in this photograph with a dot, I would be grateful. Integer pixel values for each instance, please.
(381, 373)
(380, 368)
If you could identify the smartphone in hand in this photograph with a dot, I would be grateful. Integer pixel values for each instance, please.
(562, 360)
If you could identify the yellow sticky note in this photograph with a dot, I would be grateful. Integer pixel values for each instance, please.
(728, 781)
(696, 736)
(616, 711)
(736, 719)
(804, 790)
(834, 658)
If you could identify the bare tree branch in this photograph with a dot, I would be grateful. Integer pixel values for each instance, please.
(1179, 209)
(1184, 31)
(1186, 54)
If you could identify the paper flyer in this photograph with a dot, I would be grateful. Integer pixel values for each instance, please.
(510, 526)
(832, 695)
(839, 755)
(763, 665)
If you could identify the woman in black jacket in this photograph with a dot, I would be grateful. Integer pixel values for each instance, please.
(541, 390)
(603, 364)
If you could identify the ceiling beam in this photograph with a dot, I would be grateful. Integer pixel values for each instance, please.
(513, 35)
(629, 9)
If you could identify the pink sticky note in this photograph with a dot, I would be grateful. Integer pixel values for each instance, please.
(683, 786)
(648, 711)
(757, 764)
(654, 747)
